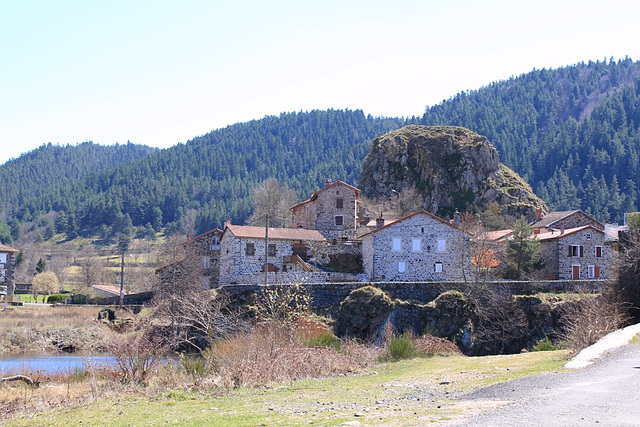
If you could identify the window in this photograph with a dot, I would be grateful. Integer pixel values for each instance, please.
(438, 267)
(250, 250)
(442, 245)
(339, 203)
(402, 267)
(588, 236)
(272, 250)
(339, 219)
(395, 246)
(206, 262)
(575, 251)
(591, 271)
(415, 245)
(598, 251)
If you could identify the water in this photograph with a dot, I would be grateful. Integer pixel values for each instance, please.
(52, 364)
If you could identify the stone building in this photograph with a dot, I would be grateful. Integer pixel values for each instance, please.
(202, 259)
(564, 220)
(242, 254)
(579, 253)
(418, 247)
(332, 210)
(7, 269)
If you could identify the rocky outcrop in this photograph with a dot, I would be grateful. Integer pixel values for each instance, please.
(452, 167)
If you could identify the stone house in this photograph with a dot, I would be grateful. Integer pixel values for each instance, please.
(7, 269)
(579, 253)
(564, 220)
(242, 254)
(332, 210)
(202, 258)
(419, 247)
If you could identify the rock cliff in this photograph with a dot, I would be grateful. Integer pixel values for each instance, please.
(452, 167)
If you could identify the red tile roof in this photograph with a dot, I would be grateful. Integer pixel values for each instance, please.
(559, 235)
(5, 248)
(252, 232)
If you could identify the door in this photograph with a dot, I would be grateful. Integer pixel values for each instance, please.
(575, 272)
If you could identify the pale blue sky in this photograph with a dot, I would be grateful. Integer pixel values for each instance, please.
(161, 72)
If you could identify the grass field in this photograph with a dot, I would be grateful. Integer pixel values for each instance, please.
(413, 392)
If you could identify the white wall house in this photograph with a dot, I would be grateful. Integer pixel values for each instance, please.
(418, 247)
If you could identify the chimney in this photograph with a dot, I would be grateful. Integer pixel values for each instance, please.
(380, 221)
(538, 214)
(328, 182)
(456, 218)
(536, 231)
(227, 222)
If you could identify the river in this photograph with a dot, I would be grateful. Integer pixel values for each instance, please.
(51, 364)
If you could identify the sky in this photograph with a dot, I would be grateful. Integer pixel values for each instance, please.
(161, 72)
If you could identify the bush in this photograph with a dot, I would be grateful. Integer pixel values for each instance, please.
(401, 347)
(544, 345)
(55, 298)
(591, 318)
(326, 339)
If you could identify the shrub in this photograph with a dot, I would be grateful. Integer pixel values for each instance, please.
(326, 339)
(587, 320)
(400, 348)
(55, 298)
(137, 354)
(544, 345)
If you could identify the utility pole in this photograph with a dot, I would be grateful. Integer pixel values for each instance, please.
(266, 252)
(123, 246)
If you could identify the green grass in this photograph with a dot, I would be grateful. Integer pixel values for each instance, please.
(408, 392)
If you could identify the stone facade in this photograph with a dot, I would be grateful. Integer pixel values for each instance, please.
(418, 247)
(206, 249)
(576, 254)
(7, 269)
(332, 210)
(242, 253)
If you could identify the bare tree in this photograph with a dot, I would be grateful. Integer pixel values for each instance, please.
(272, 199)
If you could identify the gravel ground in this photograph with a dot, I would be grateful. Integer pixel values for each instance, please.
(604, 392)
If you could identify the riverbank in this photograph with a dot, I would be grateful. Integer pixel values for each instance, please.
(51, 329)
(411, 392)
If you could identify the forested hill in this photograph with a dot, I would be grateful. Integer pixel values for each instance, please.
(573, 133)
(211, 177)
(42, 178)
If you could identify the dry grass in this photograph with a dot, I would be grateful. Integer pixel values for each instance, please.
(273, 353)
(48, 317)
(435, 346)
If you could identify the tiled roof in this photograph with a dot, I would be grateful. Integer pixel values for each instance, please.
(111, 289)
(206, 233)
(252, 232)
(549, 235)
(5, 248)
(552, 217)
(497, 235)
(315, 195)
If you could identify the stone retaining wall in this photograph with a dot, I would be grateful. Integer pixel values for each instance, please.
(331, 294)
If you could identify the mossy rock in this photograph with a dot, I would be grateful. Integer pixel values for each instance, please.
(363, 312)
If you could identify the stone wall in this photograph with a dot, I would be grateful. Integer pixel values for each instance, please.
(332, 294)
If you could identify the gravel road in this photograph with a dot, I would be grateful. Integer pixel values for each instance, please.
(606, 393)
